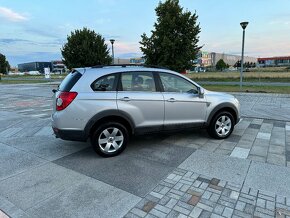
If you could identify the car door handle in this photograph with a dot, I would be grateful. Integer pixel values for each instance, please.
(171, 100)
(125, 99)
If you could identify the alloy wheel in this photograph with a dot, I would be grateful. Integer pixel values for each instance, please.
(223, 126)
(110, 140)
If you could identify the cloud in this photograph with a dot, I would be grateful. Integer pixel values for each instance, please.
(56, 42)
(125, 47)
(9, 41)
(33, 56)
(10, 15)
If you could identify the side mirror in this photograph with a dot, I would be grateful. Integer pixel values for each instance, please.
(200, 92)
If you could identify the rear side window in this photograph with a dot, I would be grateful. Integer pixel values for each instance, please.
(138, 81)
(105, 83)
(69, 81)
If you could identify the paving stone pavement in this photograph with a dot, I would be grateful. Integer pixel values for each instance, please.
(33, 101)
(267, 106)
(260, 140)
(186, 174)
(188, 194)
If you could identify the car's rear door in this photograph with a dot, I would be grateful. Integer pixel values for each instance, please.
(138, 97)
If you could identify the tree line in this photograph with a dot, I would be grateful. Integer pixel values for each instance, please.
(173, 42)
(4, 64)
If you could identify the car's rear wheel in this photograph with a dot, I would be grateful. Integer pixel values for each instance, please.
(110, 139)
(222, 125)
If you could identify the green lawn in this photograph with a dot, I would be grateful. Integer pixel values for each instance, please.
(22, 81)
(52, 76)
(276, 76)
(255, 89)
(235, 76)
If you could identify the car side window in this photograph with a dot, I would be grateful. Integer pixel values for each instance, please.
(173, 83)
(105, 83)
(138, 81)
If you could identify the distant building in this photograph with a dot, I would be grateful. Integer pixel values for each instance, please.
(230, 59)
(137, 61)
(54, 66)
(34, 66)
(121, 61)
(58, 67)
(274, 61)
(204, 59)
(209, 59)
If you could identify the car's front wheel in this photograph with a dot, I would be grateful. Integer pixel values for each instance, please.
(110, 139)
(222, 125)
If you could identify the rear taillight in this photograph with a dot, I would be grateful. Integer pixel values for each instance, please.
(64, 99)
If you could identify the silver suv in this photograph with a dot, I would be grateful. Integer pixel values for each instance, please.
(108, 104)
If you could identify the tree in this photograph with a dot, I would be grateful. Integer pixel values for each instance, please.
(85, 48)
(237, 64)
(221, 65)
(173, 42)
(4, 64)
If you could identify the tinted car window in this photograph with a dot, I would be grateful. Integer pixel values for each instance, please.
(105, 83)
(69, 81)
(138, 81)
(173, 83)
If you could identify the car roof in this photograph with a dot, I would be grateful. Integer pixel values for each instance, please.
(91, 72)
(104, 70)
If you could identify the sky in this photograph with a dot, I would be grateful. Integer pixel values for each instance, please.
(34, 30)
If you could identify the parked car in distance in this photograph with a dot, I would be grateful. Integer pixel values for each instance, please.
(109, 104)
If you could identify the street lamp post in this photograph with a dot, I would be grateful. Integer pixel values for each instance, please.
(112, 42)
(243, 25)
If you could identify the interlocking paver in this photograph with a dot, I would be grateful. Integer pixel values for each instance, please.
(157, 213)
(219, 209)
(195, 213)
(276, 159)
(267, 140)
(138, 212)
(228, 212)
(264, 135)
(171, 203)
(181, 210)
(162, 208)
(259, 151)
(240, 206)
(277, 149)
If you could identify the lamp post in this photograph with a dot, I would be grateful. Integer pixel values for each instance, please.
(243, 25)
(112, 42)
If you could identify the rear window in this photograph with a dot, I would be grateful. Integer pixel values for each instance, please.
(69, 81)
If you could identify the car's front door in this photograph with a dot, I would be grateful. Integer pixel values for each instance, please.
(137, 96)
(183, 104)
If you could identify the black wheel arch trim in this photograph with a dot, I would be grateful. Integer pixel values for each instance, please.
(108, 113)
(220, 107)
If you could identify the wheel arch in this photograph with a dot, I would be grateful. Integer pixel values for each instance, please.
(229, 107)
(107, 116)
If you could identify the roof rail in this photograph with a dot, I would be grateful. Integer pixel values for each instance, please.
(130, 65)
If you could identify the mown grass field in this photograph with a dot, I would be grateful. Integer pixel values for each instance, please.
(251, 89)
(25, 79)
(235, 76)
(263, 75)
(279, 74)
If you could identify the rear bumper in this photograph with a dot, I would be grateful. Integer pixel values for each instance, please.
(71, 135)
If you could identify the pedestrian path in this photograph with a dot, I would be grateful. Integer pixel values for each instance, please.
(185, 193)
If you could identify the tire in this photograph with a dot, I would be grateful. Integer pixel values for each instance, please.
(222, 125)
(110, 139)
